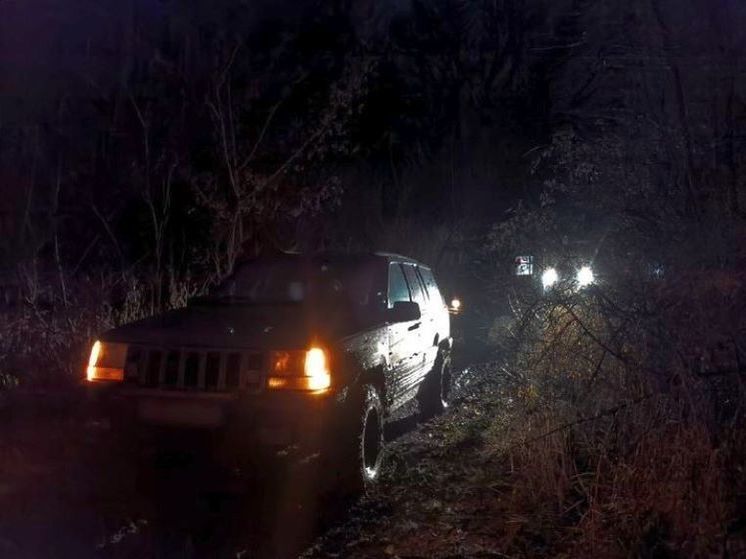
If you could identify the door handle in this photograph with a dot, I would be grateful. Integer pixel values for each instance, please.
(414, 326)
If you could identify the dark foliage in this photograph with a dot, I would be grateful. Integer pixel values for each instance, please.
(144, 147)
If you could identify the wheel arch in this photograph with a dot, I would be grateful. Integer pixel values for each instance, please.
(445, 345)
(375, 376)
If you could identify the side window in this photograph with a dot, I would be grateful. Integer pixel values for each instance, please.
(415, 286)
(398, 290)
(428, 295)
(432, 288)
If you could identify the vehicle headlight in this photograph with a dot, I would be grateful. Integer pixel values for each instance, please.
(585, 276)
(106, 362)
(549, 278)
(316, 369)
(299, 370)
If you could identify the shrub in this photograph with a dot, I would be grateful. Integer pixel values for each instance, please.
(630, 438)
(45, 336)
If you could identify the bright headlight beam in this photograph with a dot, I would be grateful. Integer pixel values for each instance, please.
(92, 361)
(585, 276)
(549, 278)
(106, 362)
(316, 369)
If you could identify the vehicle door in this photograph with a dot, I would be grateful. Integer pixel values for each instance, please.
(404, 341)
(437, 309)
(427, 328)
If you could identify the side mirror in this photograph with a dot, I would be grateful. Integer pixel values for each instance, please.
(404, 311)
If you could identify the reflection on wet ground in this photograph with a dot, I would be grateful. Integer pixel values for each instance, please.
(276, 508)
(273, 509)
(68, 492)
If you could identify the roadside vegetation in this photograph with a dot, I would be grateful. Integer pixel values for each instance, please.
(612, 422)
(615, 430)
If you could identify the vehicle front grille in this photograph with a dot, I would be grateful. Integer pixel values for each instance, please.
(195, 369)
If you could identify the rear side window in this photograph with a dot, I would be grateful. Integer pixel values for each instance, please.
(415, 285)
(432, 288)
(398, 290)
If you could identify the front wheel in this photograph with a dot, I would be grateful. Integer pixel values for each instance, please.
(360, 455)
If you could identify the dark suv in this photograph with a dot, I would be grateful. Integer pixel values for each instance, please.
(288, 350)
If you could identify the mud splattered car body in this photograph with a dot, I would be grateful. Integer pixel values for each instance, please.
(288, 350)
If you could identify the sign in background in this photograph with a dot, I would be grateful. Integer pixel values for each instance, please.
(524, 265)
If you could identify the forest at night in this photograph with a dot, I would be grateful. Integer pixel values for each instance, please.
(573, 172)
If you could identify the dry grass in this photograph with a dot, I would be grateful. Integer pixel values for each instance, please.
(45, 335)
(627, 441)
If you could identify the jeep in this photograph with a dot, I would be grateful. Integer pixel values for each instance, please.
(288, 350)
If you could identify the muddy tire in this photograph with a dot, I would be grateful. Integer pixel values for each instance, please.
(360, 457)
(435, 392)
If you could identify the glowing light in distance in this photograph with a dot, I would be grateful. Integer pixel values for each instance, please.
(549, 278)
(456, 304)
(585, 276)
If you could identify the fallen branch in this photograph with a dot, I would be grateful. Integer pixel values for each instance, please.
(580, 421)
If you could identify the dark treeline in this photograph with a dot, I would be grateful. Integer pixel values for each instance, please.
(173, 133)
(146, 145)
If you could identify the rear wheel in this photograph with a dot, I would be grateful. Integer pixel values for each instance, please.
(435, 392)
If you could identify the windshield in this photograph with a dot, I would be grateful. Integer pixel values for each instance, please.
(350, 283)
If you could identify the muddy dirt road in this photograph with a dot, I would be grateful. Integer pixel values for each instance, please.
(66, 491)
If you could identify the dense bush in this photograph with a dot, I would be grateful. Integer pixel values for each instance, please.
(630, 440)
(45, 336)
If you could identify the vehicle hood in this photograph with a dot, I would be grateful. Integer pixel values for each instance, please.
(232, 326)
